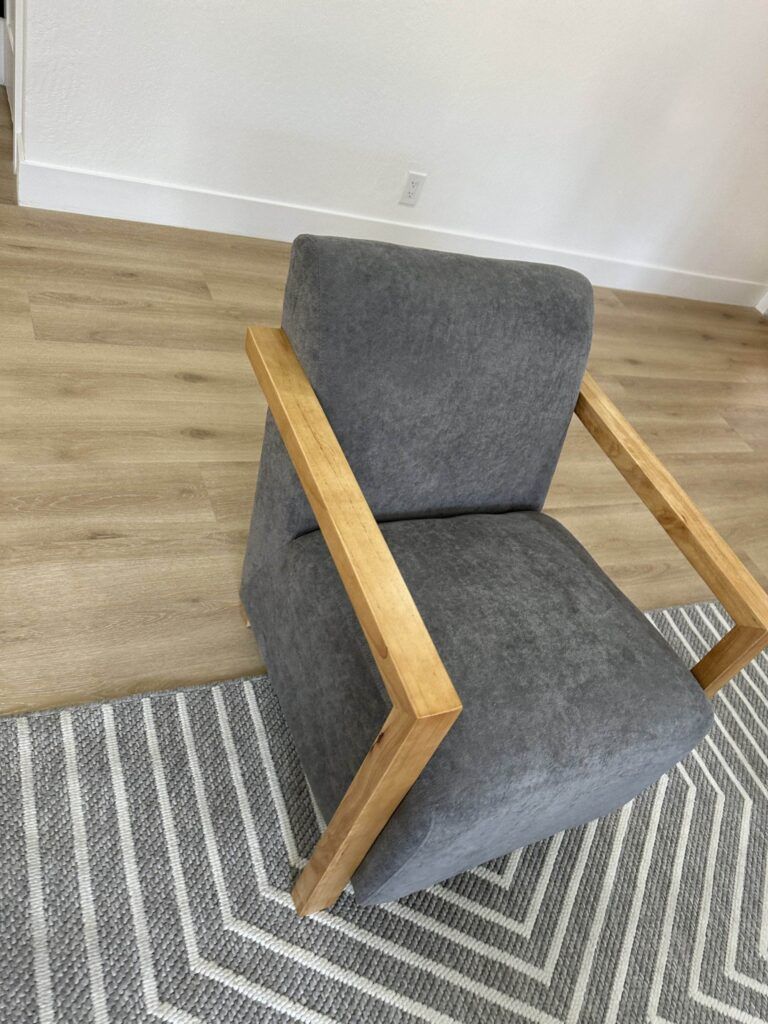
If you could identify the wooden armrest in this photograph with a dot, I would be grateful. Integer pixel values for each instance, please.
(702, 545)
(424, 702)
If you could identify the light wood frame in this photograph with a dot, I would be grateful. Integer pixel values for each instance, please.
(717, 564)
(424, 702)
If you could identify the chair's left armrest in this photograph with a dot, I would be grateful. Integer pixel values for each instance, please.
(424, 701)
(713, 559)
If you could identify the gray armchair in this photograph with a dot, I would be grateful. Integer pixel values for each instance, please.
(459, 677)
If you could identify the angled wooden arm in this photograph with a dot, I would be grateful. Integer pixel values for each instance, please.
(702, 545)
(424, 702)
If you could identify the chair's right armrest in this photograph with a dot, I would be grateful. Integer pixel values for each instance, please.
(714, 560)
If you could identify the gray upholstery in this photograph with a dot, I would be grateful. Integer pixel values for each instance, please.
(572, 701)
(449, 380)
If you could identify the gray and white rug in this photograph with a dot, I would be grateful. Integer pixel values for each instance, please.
(147, 849)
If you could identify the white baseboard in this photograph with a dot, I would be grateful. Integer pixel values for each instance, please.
(75, 191)
(762, 304)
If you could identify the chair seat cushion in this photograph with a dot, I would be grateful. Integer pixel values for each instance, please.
(573, 703)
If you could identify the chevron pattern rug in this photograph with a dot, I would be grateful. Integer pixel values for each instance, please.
(147, 849)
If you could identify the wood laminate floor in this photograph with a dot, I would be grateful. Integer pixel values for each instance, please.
(130, 428)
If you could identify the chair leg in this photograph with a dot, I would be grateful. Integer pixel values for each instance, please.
(392, 765)
(729, 655)
(244, 615)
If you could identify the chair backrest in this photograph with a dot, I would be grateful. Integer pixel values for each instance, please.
(449, 380)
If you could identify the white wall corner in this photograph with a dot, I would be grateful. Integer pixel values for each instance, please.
(762, 304)
(2, 51)
(50, 187)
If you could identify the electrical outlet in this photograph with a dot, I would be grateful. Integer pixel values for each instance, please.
(414, 183)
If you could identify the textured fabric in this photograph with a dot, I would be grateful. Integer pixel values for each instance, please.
(572, 702)
(147, 849)
(449, 380)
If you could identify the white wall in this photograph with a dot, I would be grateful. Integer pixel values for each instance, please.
(633, 132)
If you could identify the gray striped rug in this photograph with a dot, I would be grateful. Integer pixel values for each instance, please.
(148, 848)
